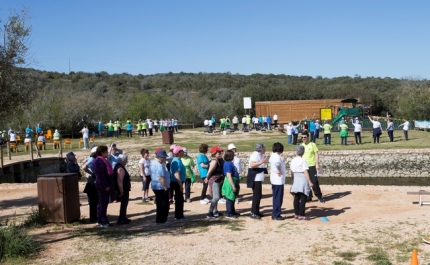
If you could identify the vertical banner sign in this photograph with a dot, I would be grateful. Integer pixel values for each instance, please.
(247, 103)
(326, 114)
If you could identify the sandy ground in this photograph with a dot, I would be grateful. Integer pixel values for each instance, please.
(362, 220)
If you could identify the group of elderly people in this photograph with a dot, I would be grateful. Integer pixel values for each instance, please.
(168, 173)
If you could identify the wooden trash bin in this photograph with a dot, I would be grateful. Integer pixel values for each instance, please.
(58, 197)
(167, 137)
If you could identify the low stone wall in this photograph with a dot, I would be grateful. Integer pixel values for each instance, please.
(361, 163)
(27, 171)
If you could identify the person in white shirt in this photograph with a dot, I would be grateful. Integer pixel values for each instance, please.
(238, 164)
(85, 132)
(275, 119)
(243, 122)
(235, 122)
(12, 136)
(255, 122)
(210, 125)
(255, 177)
(301, 185)
(289, 133)
(206, 124)
(277, 178)
(357, 130)
(405, 128)
(377, 129)
(150, 126)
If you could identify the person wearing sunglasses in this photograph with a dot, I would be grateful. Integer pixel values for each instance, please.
(312, 159)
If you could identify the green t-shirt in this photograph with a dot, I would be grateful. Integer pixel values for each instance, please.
(327, 128)
(309, 155)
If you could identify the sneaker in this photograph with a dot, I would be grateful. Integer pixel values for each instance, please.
(236, 213)
(218, 214)
(181, 219)
(188, 200)
(236, 201)
(106, 225)
(231, 216)
(203, 202)
(222, 201)
(321, 200)
(167, 223)
(99, 224)
(206, 200)
(210, 216)
(304, 218)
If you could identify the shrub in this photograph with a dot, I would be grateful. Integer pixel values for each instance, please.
(15, 242)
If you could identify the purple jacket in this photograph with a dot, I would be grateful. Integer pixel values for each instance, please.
(103, 179)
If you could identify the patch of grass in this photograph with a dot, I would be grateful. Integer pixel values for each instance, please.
(378, 255)
(16, 243)
(144, 203)
(341, 263)
(236, 225)
(34, 219)
(348, 255)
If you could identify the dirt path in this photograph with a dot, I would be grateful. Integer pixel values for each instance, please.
(363, 220)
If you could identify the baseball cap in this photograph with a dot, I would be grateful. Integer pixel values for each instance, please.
(70, 155)
(158, 149)
(161, 153)
(185, 150)
(94, 149)
(177, 149)
(231, 146)
(172, 147)
(216, 149)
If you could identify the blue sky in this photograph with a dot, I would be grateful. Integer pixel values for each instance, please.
(377, 38)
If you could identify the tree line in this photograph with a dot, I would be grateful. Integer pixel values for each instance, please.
(63, 101)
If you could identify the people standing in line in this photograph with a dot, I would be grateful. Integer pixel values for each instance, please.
(114, 152)
(160, 186)
(269, 122)
(100, 129)
(203, 166)
(85, 135)
(295, 131)
(238, 164)
(122, 182)
(150, 127)
(103, 172)
(377, 129)
(327, 132)
(312, 159)
(312, 129)
(116, 128)
(168, 163)
(39, 129)
(90, 187)
(301, 184)
(243, 122)
(144, 128)
(357, 130)
(289, 131)
(72, 164)
(275, 120)
(405, 129)
(229, 187)
(390, 129)
(235, 122)
(343, 133)
(256, 171)
(177, 178)
(189, 164)
(145, 173)
(277, 179)
(129, 129)
(214, 179)
(317, 129)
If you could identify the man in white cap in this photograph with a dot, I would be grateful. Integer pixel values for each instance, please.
(238, 164)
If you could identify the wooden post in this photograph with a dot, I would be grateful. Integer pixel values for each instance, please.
(8, 151)
(1, 156)
(31, 150)
(61, 148)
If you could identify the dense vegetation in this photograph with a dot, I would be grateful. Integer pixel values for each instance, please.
(63, 100)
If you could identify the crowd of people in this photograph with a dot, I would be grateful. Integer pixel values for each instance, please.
(171, 173)
(248, 123)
